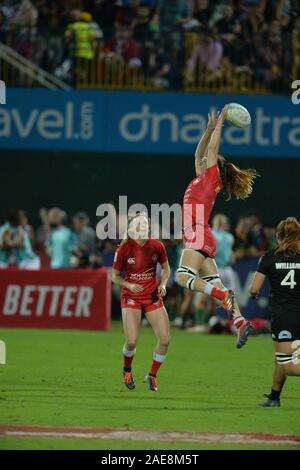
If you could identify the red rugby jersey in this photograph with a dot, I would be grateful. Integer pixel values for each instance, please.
(138, 265)
(202, 190)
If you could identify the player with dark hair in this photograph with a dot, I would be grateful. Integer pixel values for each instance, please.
(282, 269)
(197, 268)
(134, 269)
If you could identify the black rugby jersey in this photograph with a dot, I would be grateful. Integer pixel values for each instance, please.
(283, 273)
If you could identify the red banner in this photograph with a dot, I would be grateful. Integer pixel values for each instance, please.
(76, 299)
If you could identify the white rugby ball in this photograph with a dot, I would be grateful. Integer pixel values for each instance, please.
(238, 115)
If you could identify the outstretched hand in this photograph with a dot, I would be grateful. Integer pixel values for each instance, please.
(222, 114)
(212, 120)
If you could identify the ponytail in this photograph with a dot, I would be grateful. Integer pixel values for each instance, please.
(237, 182)
(288, 235)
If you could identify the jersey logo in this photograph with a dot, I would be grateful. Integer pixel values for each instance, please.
(284, 334)
(131, 261)
(154, 258)
(130, 302)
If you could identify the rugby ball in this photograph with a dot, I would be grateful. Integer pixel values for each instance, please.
(238, 115)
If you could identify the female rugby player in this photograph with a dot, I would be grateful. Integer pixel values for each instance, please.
(134, 269)
(282, 268)
(197, 268)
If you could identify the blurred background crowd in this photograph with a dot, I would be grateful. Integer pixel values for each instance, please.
(174, 42)
(64, 241)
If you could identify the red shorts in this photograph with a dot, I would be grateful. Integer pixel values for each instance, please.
(146, 305)
(200, 237)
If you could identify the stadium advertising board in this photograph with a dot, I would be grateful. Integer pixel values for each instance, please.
(155, 123)
(77, 299)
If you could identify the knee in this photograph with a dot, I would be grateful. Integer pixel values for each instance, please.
(289, 369)
(286, 369)
(182, 279)
(164, 340)
(130, 345)
(185, 276)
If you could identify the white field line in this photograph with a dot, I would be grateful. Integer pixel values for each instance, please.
(148, 435)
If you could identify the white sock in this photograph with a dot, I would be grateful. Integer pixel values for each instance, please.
(208, 288)
(238, 321)
(128, 353)
(159, 357)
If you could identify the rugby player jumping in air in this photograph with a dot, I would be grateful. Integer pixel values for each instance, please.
(197, 268)
(134, 269)
(282, 268)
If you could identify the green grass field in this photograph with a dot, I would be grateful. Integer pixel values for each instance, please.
(73, 379)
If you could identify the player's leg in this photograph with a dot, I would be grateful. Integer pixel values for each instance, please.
(279, 378)
(131, 324)
(286, 354)
(191, 263)
(159, 322)
(209, 272)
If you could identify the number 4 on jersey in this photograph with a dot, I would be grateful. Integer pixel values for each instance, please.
(289, 279)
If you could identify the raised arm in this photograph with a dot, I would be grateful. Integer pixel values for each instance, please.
(202, 146)
(215, 140)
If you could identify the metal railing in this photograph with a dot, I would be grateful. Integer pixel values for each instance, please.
(111, 74)
(16, 69)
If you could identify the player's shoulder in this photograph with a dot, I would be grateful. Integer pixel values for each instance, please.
(124, 246)
(156, 244)
(212, 171)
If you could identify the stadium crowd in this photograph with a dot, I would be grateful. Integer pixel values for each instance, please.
(62, 241)
(165, 38)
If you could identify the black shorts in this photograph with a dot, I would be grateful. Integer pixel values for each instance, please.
(285, 326)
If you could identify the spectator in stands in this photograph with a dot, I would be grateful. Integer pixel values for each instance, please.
(24, 21)
(224, 255)
(81, 39)
(105, 13)
(25, 14)
(242, 241)
(62, 241)
(108, 252)
(158, 66)
(15, 246)
(270, 237)
(170, 16)
(229, 32)
(141, 24)
(124, 48)
(28, 228)
(127, 13)
(86, 236)
(49, 221)
(201, 11)
(257, 237)
(81, 35)
(208, 53)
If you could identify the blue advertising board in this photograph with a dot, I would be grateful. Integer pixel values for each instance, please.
(138, 122)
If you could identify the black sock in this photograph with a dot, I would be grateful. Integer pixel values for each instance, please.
(127, 369)
(275, 394)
